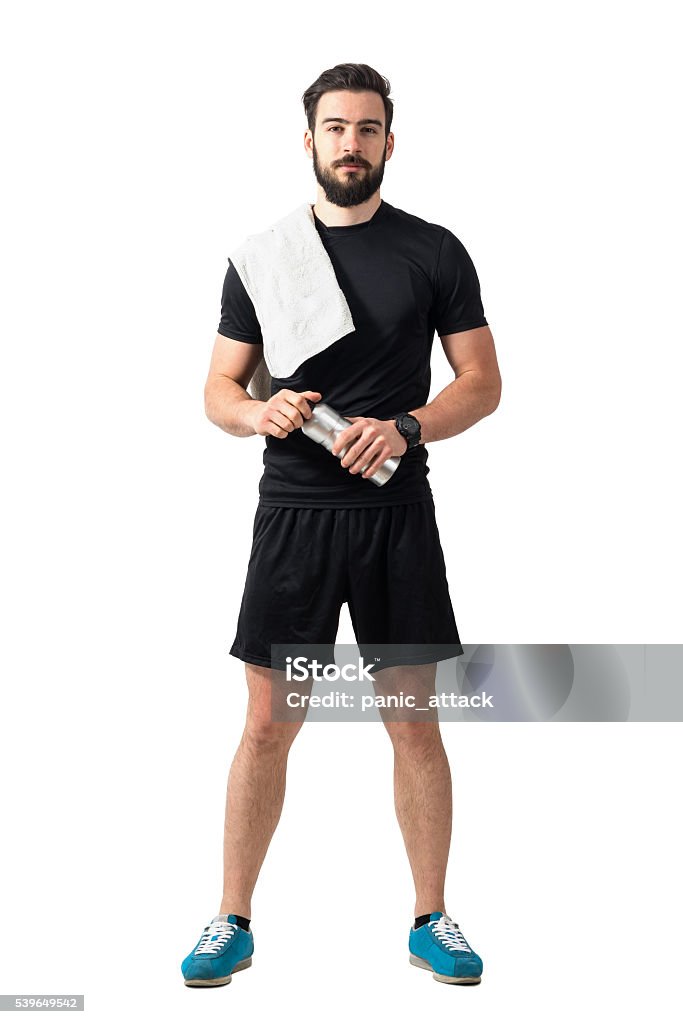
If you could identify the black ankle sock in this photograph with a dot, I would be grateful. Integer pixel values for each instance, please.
(243, 922)
(422, 919)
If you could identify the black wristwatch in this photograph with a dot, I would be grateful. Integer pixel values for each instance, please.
(409, 428)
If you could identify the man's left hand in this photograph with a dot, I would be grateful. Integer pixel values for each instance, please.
(369, 442)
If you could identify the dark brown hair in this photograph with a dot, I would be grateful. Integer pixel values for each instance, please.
(356, 78)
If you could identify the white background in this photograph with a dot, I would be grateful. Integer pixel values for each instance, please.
(142, 143)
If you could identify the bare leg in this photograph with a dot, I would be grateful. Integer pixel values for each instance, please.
(422, 788)
(256, 791)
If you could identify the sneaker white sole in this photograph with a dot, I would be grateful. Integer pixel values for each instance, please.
(210, 982)
(417, 961)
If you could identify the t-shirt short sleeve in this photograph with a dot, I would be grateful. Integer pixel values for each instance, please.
(457, 297)
(238, 316)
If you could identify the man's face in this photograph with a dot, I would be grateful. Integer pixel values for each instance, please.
(349, 147)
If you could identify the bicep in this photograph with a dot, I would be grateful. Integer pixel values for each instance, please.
(234, 359)
(474, 350)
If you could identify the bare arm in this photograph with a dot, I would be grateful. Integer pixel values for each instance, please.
(474, 393)
(231, 408)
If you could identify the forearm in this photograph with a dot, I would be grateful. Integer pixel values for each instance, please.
(465, 401)
(229, 406)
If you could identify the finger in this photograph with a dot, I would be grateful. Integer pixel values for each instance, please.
(302, 404)
(297, 409)
(345, 437)
(367, 440)
(271, 429)
(357, 456)
(374, 466)
(280, 419)
(292, 411)
(369, 455)
(302, 409)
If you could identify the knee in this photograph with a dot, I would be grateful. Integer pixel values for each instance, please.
(264, 736)
(268, 726)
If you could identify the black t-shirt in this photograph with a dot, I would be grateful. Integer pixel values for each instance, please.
(403, 278)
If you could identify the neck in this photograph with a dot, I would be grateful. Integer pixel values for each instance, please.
(344, 216)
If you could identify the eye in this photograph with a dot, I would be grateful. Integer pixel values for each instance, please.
(334, 127)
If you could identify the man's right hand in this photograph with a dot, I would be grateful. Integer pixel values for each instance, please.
(282, 413)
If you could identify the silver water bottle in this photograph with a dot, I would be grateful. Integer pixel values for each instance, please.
(325, 425)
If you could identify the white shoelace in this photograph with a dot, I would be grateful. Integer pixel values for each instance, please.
(215, 935)
(448, 932)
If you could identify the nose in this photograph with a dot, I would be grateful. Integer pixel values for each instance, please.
(352, 144)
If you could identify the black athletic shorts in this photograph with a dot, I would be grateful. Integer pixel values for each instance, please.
(386, 562)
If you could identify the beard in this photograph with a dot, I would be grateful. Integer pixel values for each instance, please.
(348, 188)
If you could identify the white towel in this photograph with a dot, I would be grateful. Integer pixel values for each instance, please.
(301, 308)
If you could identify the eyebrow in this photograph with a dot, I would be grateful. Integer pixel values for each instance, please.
(364, 120)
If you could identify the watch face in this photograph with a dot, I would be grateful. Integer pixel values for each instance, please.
(410, 425)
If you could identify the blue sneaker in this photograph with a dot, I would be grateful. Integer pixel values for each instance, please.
(440, 947)
(223, 949)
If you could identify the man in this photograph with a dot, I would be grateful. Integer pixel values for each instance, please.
(324, 533)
